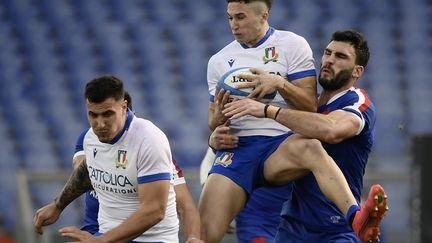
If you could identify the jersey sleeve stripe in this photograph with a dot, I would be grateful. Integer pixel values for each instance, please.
(301, 74)
(211, 98)
(366, 102)
(155, 177)
(359, 116)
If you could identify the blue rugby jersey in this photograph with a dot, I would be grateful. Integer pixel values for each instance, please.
(308, 204)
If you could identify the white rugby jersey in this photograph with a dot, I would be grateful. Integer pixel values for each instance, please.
(279, 52)
(139, 154)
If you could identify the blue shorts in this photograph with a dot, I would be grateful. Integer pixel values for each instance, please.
(91, 224)
(254, 239)
(292, 231)
(259, 219)
(245, 164)
(254, 233)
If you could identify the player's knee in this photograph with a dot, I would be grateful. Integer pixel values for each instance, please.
(314, 150)
(209, 226)
(313, 146)
(306, 151)
(210, 232)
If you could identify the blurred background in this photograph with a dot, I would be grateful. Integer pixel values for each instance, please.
(49, 49)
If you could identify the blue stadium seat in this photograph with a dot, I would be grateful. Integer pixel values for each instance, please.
(50, 49)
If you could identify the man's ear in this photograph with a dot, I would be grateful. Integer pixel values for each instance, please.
(265, 16)
(125, 105)
(358, 71)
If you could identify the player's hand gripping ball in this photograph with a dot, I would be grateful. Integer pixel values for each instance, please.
(230, 80)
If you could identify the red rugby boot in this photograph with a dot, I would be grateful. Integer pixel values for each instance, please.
(367, 221)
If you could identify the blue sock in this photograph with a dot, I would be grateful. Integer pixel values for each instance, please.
(351, 213)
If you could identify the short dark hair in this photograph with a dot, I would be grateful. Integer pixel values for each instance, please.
(104, 87)
(268, 3)
(357, 40)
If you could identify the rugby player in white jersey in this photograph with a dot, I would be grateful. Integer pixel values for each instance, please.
(186, 209)
(235, 174)
(128, 164)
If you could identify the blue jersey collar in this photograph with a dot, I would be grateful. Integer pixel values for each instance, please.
(270, 31)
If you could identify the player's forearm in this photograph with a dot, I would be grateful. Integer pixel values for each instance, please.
(78, 183)
(312, 125)
(136, 224)
(299, 98)
(188, 213)
(191, 223)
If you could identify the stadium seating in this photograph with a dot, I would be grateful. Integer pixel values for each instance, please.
(50, 49)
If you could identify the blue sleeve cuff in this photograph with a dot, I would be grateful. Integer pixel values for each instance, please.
(302, 74)
(155, 177)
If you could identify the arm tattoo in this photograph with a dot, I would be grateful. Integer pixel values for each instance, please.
(78, 183)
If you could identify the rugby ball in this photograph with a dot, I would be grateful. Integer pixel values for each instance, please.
(230, 80)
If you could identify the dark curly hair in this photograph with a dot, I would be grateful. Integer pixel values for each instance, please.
(357, 40)
(104, 87)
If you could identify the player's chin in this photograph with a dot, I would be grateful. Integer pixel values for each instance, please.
(239, 38)
(104, 139)
(326, 74)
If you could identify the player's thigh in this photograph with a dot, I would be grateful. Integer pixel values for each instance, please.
(221, 200)
(288, 162)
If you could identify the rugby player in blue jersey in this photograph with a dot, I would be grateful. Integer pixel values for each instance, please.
(333, 144)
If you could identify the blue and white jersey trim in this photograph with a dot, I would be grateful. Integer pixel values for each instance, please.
(155, 177)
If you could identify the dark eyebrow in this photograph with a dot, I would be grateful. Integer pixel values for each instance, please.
(237, 14)
(108, 112)
(341, 54)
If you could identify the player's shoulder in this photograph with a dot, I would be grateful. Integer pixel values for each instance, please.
(358, 97)
(357, 93)
(144, 128)
(142, 124)
(287, 36)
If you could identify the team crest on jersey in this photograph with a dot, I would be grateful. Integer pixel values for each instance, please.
(270, 55)
(121, 160)
(225, 159)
